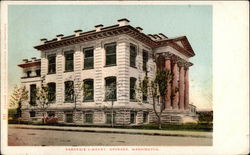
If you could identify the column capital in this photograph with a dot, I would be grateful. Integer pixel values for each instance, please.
(187, 65)
(181, 63)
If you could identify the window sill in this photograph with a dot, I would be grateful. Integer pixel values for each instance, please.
(51, 102)
(68, 71)
(51, 73)
(87, 123)
(110, 65)
(26, 77)
(106, 100)
(133, 67)
(88, 101)
(68, 101)
(132, 100)
(88, 68)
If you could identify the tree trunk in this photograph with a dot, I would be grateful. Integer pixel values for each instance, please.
(159, 123)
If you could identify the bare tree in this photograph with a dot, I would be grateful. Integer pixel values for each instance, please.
(43, 100)
(110, 93)
(154, 87)
(18, 96)
(74, 90)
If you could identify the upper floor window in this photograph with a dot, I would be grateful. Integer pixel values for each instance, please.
(69, 61)
(110, 86)
(88, 90)
(132, 93)
(28, 73)
(110, 54)
(51, 64)
(32, 94)
(132, 55)
(69, 91)
(38, 72)
(145, 91)
(51, 92)
(89, 58)
(145, 60)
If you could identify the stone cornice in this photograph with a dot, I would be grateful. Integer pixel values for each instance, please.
(114, 31)
(175, 59)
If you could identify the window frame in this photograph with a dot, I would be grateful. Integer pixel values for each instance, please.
(115, 92)
(54, 94)
(88, 58)
(145, 119)
(66, 117)
(134, 120)
(38, 72)
(33, 96)
(145, 96)
(53, 65)
(66, 61)
(132, 56)
(110, 54)
(114, 118)
(28, 73)
(132, 79)
(69, 101)
(92, 118)
(144, 60)
(92, 90)
(32, 112)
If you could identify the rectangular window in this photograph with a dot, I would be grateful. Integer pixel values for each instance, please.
(69, 118)
(132, 117)
(89, 58)
(51, 92)
(51, 113)
(52, 64)
(132, 55)
(69, 91)
(132, 93)
(88, 118)
(110, 54)
(32, 114)
(145, 60)
(109, 118)
(145, 91)
(28, 73)
(145, 117)
(38, 72)
(110, 86)
(32, 94)
(88, 90)
(69, 61)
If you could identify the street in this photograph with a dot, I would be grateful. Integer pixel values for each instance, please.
(33, 137)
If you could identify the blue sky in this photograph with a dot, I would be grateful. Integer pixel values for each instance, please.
(27, 24)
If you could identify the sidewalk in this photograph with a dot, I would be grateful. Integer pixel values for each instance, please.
(197, 134)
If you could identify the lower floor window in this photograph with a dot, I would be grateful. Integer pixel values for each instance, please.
(133, 117)
(109, 118)
(32, 114)
(51, 113)
(145, 117)
(89, 118)
(69, 118)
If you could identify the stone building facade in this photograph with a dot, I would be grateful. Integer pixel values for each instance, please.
(117, 56)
